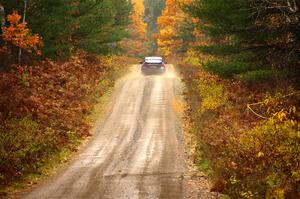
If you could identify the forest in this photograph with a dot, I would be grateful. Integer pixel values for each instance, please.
(239, 60)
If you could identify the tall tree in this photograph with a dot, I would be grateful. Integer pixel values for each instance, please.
(137, 44)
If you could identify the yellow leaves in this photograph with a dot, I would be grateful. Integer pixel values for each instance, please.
(293, 109)
(213, 96)
(281, 108)
(279, 193)
(192, 57)
(293, 122)
(233, 180)
(276, 193)
(138, 25)
(247, 194)
(296, 175)
(168, 24)
(266, 101)
(281, 115)
(138, 7)
(260, 154)
(19, 35)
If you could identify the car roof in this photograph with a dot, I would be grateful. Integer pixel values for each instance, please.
(154, 58)
(153, 61)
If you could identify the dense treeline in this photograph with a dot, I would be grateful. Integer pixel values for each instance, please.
(249, 39)
(254, 36)
(65, 25)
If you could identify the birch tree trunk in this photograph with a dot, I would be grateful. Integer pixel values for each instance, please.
(2, 17)
(24, 19)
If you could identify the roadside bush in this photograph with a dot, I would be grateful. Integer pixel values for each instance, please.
(212, 94)
(21, 144)
(227, 69)
(266, 161)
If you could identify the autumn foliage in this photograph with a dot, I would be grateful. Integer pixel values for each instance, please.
(138, 27)
(170, 37)
(168, 25)
(19, 35)
(137, 44)
(249, 138)
(43, 109)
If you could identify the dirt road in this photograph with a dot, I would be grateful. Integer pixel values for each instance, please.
(137, 151)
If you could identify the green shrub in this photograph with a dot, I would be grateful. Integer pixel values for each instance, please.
(227, 69)
(262, 76)
(256, 76)
(21, 146)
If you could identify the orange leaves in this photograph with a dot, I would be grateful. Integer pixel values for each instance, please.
(169, 38)
(57, 93)
(14, 18)
(138, 28)
(46, 106)
(18, 34)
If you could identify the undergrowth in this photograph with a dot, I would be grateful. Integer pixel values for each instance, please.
(44, 111)
(251, 152)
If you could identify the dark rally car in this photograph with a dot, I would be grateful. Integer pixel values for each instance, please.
(153, 65)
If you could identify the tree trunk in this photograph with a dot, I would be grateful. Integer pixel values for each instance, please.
(2, 16)
(24, 19)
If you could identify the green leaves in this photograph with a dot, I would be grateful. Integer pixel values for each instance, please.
(102, 24)
(228, 69)
(220, 17)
